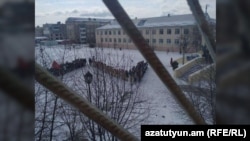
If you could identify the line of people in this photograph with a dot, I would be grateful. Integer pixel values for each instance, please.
(133, 75)
(137, 72)
(60, 69)
(121, 73)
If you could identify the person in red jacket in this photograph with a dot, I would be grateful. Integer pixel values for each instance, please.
(55, 65)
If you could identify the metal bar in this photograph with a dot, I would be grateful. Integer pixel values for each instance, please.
(203, 26)
(58, 88)
(142, 45)
(12, 86)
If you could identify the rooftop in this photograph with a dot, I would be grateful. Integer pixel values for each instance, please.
(78, 19)
(170, 20)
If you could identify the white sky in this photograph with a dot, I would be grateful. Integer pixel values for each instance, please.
(52, 11)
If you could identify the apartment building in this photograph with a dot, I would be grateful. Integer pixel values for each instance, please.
(82, 30)
(166, 33)
(55, 31)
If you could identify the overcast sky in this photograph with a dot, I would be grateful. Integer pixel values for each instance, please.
(52, 11)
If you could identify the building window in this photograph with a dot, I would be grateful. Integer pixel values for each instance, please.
(153, 31)
(106, 40)
(161, 41)
(82, 29)
(153, 41)
(106, 32)
(124, 40)
(161, 31)
(168, 41)
(56, 28)
(119, 32)
(114, 40)
(176, 41)
(168, 31)
(147, 40)
(114, 32)
(147, 32)
(110, 40)
(101, 40)
(186, 31)
(109, 32)
(119, 40)
(177, 31)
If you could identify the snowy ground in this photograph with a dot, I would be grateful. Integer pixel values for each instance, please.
(164, 109)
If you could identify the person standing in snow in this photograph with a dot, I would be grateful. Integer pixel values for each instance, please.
(171, 61)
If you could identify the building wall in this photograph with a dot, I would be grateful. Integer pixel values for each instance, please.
(55, 31)
(158, 38)
(71, 31)
(83, 34)
(83, 31)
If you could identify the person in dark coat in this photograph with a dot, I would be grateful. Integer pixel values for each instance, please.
(90, 61)
(174, 64)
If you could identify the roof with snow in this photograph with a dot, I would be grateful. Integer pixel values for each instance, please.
(78, 19)
(41, 37)
(173, 20)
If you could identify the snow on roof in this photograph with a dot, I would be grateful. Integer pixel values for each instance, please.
(78, 19)
(41, 37)
(174, 20)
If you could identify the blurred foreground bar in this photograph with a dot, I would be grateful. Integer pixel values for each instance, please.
(16, 60)
(233, 62)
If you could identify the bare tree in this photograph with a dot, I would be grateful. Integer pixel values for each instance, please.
(46, 103)
(190, 41)
(202, 93)
(70, 116)
(117, 97)
(41, 118)
(110, 91)
(41, 102)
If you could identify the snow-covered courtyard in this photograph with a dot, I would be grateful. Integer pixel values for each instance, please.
(163, 107)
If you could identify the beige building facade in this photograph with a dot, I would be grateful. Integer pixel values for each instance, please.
(167, 33)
